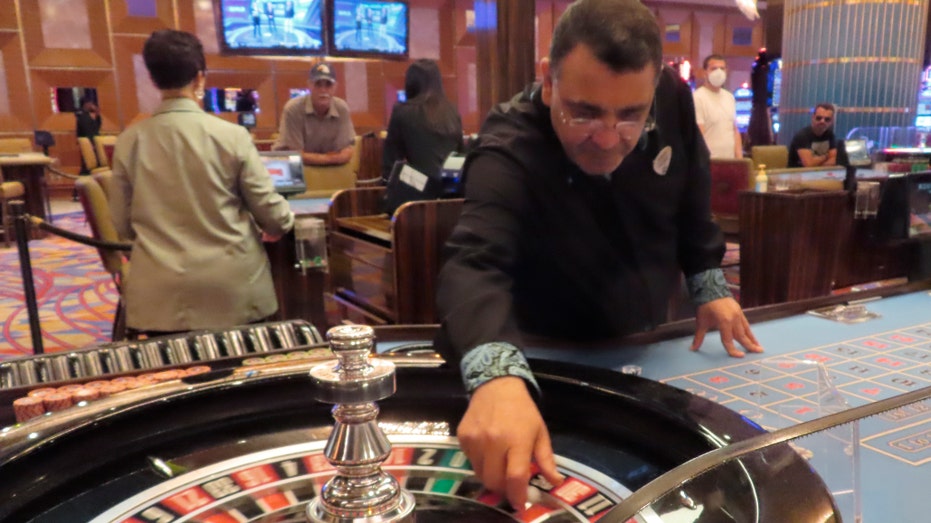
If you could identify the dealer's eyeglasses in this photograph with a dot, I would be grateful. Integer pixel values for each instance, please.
(825, 119)
(585, 127)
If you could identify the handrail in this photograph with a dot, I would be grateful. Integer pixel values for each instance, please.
(61, 173)
(80, 238)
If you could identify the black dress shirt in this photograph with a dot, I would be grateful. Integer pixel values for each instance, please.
(543, 248)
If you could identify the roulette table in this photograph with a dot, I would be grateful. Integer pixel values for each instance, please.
(882, 357)
(245, 444)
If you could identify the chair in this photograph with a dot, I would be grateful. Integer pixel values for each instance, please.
(89, 155)
(101, 143)
(325, 180)
(370, 148)
(93, 198)
(728, 178)
(9, 191)
(105, 179)
(773, 156)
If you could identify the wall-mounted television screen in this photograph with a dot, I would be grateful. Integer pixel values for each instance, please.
(369, 28)
(230, 99)
(270, 27)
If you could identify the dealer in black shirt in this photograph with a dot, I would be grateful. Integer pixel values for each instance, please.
(586, 197)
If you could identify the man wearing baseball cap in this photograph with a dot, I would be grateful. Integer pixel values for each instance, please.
(318, 124)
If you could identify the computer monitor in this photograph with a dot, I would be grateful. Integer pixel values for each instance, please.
(858, 154)
(451, 173)
(919, 205)
(905, 207)
(247, 120)
(286, 170)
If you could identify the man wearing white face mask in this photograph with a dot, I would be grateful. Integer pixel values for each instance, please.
(716, 111)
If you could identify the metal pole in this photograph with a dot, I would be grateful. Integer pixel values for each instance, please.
(25, 266)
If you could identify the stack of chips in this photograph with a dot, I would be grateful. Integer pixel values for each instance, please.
(311, 354)
(28, 408)
(45, 400)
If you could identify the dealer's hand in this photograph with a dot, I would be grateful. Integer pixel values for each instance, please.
(725, 315)
(501, 431)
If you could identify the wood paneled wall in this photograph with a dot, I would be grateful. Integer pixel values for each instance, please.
(102, 44)
(97, 43)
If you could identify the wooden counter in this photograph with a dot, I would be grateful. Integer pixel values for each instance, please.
(804, 244)
(29, 169)
(383, 270)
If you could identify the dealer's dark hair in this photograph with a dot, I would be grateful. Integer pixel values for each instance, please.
(173, 58)
(423, 88)
(710, 57)
(623, 34)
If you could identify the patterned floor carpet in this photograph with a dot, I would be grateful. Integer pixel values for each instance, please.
(76, 297)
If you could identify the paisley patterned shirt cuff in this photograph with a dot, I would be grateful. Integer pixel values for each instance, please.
(494, 360)
(707, 286)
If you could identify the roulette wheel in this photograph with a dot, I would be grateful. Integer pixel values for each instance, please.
(248, 444)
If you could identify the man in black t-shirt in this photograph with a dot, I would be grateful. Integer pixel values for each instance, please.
(815, 145)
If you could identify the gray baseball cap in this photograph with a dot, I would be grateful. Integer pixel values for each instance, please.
(322, 71)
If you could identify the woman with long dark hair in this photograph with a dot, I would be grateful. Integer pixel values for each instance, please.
(424, 129)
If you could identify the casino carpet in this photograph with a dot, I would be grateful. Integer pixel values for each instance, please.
(76, 297)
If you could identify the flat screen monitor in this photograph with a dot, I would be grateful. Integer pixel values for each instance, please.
(247, 120)
(270, 27)
(451, 173)
(905, 207)
(919, 205)
(375, 28)
(286, 170)
(858, 154)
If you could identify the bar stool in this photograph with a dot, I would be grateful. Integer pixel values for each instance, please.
(9, 191)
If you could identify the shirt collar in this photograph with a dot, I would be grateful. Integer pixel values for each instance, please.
(178, 104)
(331, 113)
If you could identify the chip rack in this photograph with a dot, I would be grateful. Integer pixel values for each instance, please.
(126, 357)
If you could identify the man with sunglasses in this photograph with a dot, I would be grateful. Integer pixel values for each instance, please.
(587, 197)
(815, 145)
